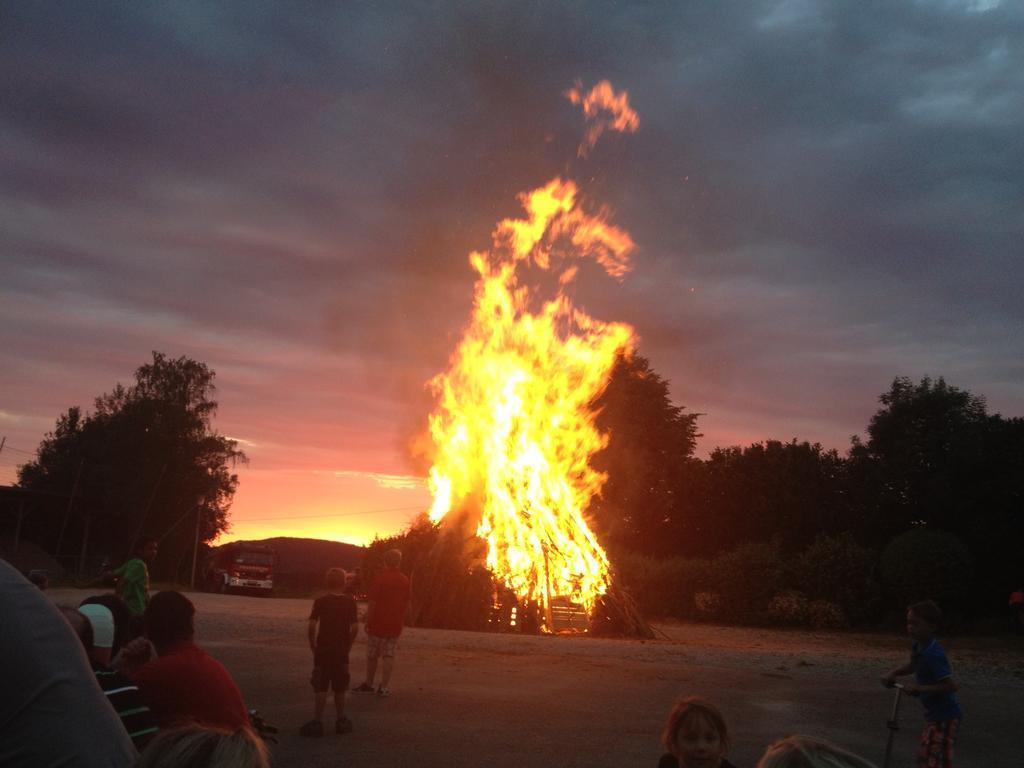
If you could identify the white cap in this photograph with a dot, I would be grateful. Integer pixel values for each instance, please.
(102, 621)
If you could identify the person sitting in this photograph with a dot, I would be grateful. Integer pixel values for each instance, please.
(122, 618)
(40, 578)
(695, 736)
(51, 710)
(183, 683)
(809, 752)
(94, 626)
(198, 747)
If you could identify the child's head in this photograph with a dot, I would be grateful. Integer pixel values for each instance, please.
(696, 734)
(336, 579)
(393, 558)
(169, 619)
(196, 747)
(923, 619)
(809, 752)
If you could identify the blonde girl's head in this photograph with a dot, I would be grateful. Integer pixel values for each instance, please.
(695, 728)
(809, 752)
(198, 747)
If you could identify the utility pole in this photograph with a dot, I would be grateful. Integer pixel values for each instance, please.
(67, 514)
(195, 545)
(85, 545)
(145, 512)
(17, 529)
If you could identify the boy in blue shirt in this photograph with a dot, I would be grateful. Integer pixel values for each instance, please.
(934, 683)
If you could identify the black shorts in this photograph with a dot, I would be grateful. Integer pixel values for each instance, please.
(330, 672)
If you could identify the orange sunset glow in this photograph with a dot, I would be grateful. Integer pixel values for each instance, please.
(320, 504)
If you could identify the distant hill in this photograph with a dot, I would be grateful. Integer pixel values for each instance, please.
(302, 563)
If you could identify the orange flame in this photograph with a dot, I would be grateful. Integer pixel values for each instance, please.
(513, 430)
(605, 109)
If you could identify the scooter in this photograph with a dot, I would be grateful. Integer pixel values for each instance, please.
(262, 728)
(893, 723)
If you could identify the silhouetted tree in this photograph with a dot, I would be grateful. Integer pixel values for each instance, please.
(935, 457)
(791, 491)
(144, 458)
(922, 443)
(650, 441)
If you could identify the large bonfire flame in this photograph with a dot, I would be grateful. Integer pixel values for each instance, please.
(513, 429)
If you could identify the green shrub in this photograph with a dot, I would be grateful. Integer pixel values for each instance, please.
(747, 578)
(823, 614)
(924, 564)
(708, 605)
(735, 586)
(837, 569)
(662, 587)
(788, 609)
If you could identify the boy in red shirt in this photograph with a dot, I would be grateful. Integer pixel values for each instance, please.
(183, 684)
(389, 597)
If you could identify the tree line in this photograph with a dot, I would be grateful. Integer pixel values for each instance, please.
(927, 503)
(930, 502)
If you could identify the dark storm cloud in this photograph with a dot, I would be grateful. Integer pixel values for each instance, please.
(825, 195)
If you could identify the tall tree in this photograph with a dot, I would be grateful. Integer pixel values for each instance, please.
(144, 459)
(650, 441)
(925, 447)
(790, 491)
(935, 457)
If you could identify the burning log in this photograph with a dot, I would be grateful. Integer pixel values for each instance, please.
(453, 589)
(616, 615)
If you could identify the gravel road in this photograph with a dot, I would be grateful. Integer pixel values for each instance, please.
(502, 701)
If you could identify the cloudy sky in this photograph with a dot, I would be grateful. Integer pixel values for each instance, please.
(824, 195)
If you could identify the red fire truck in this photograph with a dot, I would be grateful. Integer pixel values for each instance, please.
(241, 567)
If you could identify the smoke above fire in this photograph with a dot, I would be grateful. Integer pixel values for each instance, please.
(512, 430)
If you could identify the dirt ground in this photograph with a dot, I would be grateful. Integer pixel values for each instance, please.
(468, 699)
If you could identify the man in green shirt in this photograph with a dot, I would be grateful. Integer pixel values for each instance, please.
(133, 577)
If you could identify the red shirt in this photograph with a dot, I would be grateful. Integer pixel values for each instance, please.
(187, 684)
(389, 594)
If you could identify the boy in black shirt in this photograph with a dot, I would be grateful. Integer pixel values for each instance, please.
(333, 624)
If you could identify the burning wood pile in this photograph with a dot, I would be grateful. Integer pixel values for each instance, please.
(513, 429)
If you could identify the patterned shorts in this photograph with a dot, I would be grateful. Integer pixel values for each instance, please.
(936, 749)
(380, 646)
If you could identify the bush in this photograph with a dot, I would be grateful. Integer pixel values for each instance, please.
(707, 604)
(788, 608)
(924, 564)
(837, 569)
(747, 578)
(662, 587)
(735, 586)
(822, 614)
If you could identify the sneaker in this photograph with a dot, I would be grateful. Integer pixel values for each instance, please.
(363, 688)
(343, 725)
(383, 691)
(313, 728)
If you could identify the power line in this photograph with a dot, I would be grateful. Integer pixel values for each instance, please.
(338, 514)
(18, 450)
